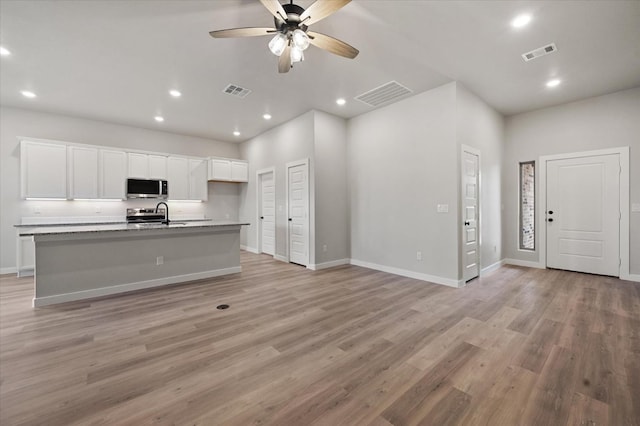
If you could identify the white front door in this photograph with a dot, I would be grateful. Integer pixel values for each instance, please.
(267, 213)
(583, 214)
(298, 220)
(470, 229)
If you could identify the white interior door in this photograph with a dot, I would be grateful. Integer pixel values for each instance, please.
(267, 213)
(470, 229)
(583, 214)
(298, 220)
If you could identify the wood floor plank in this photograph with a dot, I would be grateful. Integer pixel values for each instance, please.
(340, 346)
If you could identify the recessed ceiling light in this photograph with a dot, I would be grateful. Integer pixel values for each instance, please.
(28, 94)
(175, 93)
(236, 133)
(341, 101)
(159, 118)
(520, 21)
(4, 51)
(553, 83)
(267, 116)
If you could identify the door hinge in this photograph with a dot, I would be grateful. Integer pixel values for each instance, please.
(619, 262)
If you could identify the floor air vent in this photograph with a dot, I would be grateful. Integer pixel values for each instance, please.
(384, 94)
(236, 91)
(541, 51)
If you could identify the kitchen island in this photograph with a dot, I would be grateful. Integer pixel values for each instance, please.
(87, 261)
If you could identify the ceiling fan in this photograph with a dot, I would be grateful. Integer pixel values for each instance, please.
(292, 35)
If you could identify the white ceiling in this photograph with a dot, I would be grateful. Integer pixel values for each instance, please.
(116, 60)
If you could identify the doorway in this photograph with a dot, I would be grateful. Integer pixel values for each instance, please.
(585, 219)
(470, 213)
(266, 211)
(298, 212)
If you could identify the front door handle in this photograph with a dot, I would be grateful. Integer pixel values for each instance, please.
(550, 219)
(261, 217)
(466, 223)
(550, 211)
(290, 219)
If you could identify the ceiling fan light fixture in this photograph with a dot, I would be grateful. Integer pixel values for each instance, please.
(297, 55)
(277, 44)
(300, 39)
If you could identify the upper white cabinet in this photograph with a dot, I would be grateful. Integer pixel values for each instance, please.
(43, 169)
(157, 166)
(197, 179)
(113, 174)
(83, 172)
(227, 170)
(239, 171)
(178, 178)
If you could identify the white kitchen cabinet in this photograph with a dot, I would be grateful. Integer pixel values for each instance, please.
(178, 178)
(157, 166)
(239, 171)
(82, 172)
(227, 170)
(138, 165)
(198, 179)
(113, 174)
(43, 169)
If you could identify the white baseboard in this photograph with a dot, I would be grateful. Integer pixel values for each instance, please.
(281, 258)
(249, 249)
(492, 267)
(122, 288)
(411, 274)
(527, 263)
(325, 265)
(631, 277)
(8, 270)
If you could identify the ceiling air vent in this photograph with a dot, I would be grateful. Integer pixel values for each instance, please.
(237, 91)
(541, 51)
(383, 94)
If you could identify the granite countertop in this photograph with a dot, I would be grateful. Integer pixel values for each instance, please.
(111, 222)
(123, 227)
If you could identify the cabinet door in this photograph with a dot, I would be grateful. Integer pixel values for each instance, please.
(43, 170)
(138, 165)
(157, 166)
(197, 179)
(239, 171)
(83, 172)
(220, 169)
(178, 178)
(113, 174)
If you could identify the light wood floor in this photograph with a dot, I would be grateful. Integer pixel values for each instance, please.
(347, 346)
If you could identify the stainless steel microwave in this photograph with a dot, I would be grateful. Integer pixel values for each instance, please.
(147, 188)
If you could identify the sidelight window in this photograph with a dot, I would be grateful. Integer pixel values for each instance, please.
(527, 206)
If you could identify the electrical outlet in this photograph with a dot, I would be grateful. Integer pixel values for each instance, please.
(324, 247)
(160, 260)
(443, 208)
(495, 249)
(98, 208)
(635, 207)
(226, 216)
(418, 255)
(37, 210)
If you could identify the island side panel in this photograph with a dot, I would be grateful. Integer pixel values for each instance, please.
(97, 264)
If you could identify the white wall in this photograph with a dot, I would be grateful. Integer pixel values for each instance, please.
(223, 198)
(480, 126)
(331, 193)
(291, 141)
(402, 162)
(607, 121)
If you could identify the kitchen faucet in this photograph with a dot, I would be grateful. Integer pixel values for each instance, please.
(166, 212)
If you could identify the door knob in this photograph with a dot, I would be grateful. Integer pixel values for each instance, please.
(261, 217)
(550, 211)
(550, 219)
(290, 219)
(466, 223)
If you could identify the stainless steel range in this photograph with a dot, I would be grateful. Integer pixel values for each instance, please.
(145, 215)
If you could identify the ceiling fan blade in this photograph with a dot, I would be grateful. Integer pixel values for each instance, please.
(320, 10)
(242, 32)
(332, 45)
(275, 8)
(284, 63)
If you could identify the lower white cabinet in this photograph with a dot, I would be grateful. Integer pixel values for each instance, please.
(228, 170)
(113, 174)
(43, 169)
(83, 172)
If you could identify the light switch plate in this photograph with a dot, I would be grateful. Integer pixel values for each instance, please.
(635, 207)
(443, 208)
